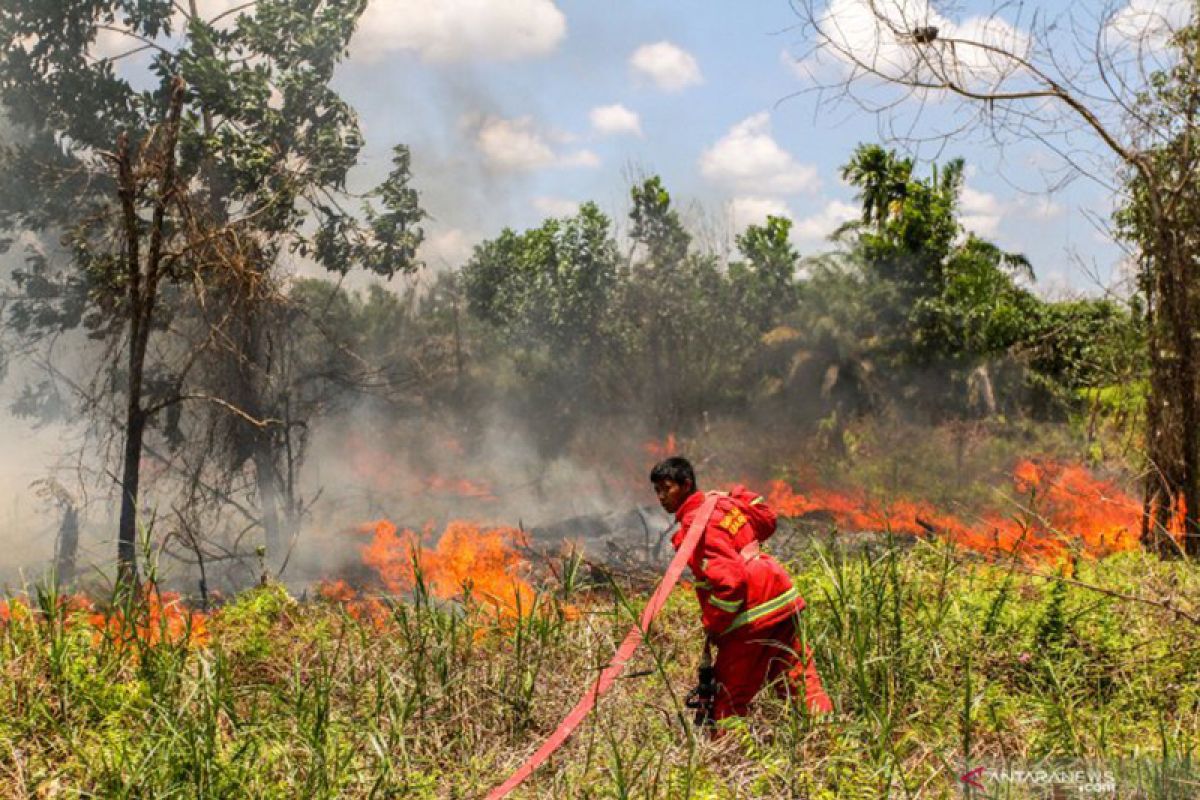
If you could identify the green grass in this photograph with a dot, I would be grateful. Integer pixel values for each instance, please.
(934, 659)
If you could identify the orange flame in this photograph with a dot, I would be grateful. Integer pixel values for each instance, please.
(378, 468)
(461, 487)
(659, 450)
(165, 620)
(364, 608)
(1063, 507)
(466, 560)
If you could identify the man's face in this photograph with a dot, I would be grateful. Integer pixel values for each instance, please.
(671, 494)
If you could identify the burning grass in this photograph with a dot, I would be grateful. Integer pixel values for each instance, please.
(477, 567)
(926, 650)
(1056, 511)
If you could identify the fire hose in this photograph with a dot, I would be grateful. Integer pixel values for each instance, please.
(609, 674)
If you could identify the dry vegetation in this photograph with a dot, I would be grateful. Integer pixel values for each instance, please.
(927, 650)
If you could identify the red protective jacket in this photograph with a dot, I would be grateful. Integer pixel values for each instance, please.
(739, 594)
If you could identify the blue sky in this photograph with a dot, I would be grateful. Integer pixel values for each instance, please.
(498, 101)
(519, 109)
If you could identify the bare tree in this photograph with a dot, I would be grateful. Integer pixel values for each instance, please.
(1114, 94)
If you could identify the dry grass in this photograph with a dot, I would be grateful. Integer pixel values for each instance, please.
(927, 654)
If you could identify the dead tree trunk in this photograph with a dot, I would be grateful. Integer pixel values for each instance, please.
(142, 277)
(68, 545)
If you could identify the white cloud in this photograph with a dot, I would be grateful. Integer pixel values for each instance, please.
(1043, 208)
(223, 13)
(113, 43)
(984, 225)
(820, 226)
(1148, 24)
(513, 144)
(451, 247)
(748, 210)
(973, 201)
(579, 158)
(749, 159)
(877, 35)
(555, 206)
(668, 66)
(517, 145)
(443, 31)
(615, 119)
(981, 211)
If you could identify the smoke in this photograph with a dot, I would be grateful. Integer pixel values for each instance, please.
(484, 467)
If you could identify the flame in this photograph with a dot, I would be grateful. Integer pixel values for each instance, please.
(466, 560)
(1176, 524)
(1060, 508)
(164, 620)
(378, 468)
(18, 609)
(659, 450)
(460, 487)
(364, 608)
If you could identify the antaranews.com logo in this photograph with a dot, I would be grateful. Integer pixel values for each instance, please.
(1081, 779)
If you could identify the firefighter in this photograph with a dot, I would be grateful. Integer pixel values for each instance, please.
(748, 605)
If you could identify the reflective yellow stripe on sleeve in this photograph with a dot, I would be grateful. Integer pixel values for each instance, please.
(758, 501)
(702, 585)
(760, 611)
(725, 605)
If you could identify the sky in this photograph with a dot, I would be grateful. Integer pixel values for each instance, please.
(521, 109)
(516, 110)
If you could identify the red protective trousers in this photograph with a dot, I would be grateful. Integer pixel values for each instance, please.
(746, 664)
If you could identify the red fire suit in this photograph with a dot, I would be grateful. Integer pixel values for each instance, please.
(748, 605)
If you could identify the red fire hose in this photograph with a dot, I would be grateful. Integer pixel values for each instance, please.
(609, 675)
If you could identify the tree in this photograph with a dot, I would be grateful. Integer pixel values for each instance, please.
(764, 283)
(1116, 101)
(684, 326)
(950, 297)
(226, 150)
(549, 293)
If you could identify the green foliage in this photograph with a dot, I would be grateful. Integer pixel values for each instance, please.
(954, 297)
(247, 623)
(549, 294)
(174, 189)
(443, 702)
(764, 284)
(1052, 628)
(552, 284)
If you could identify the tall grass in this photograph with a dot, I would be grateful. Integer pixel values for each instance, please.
(936, 662)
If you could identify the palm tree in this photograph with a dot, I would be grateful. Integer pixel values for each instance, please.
(882, 179)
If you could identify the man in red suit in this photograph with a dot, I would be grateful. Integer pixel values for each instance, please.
(748, 605)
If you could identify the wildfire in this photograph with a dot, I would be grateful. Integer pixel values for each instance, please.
(158, 617)
(1059, 507)
(467, 560)
(363, 608)
(378, 468)
(659, 450)
(460, 487)
(161, 618)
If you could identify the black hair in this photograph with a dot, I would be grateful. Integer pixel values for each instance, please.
(675, 468)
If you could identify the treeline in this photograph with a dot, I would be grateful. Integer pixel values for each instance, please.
(906, 313)
(152, 208)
